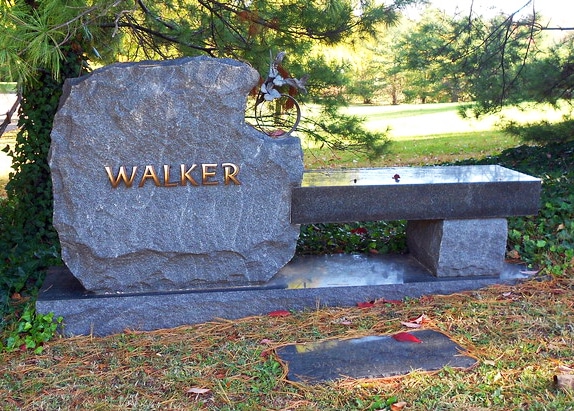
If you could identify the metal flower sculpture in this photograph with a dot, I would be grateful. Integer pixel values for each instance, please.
(278, 113)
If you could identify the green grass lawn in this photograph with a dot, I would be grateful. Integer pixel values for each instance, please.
(450, 147)
(433, 115)
(388, 112)
(428, 134)
(418, 150)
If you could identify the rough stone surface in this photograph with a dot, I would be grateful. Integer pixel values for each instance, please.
(455, 248)
(166, 236)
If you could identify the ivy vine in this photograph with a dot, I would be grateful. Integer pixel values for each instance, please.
(28, 241)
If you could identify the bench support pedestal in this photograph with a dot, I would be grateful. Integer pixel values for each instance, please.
(459, 248)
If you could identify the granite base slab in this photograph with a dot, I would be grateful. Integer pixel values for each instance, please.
(305, 283)
(377, 356)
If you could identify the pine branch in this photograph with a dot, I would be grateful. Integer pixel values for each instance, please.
(158, 34)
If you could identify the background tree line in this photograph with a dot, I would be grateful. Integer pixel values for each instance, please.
(505, 60)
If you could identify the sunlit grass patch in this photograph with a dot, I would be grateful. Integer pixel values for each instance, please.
(417, 150)
(400, 111)
(434, 149)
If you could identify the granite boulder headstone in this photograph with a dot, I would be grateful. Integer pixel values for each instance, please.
(160, 185)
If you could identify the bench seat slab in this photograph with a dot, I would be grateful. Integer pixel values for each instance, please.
(413, 193)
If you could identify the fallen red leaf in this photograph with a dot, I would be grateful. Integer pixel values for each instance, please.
(367, 304)
(279, 313)
(359, 231)
(406, 337)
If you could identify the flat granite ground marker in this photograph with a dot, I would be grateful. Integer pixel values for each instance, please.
(375, 356)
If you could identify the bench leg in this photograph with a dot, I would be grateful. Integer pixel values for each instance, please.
(458, 248)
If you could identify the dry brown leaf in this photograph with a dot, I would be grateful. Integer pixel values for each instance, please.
(411, 325)
(198, 391)
(513, 254)
(529, 272)
(397, 406)
(342, 321)
(417, 322)
(564, 381)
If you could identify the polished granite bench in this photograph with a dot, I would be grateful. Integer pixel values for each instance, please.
(456, 215)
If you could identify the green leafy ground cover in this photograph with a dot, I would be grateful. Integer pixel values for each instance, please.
(522, 336)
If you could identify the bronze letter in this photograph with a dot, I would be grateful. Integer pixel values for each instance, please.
(122, 176)
(186, 176)
(149, 173)
(230, 175)
(205, 174)
(166, 182)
